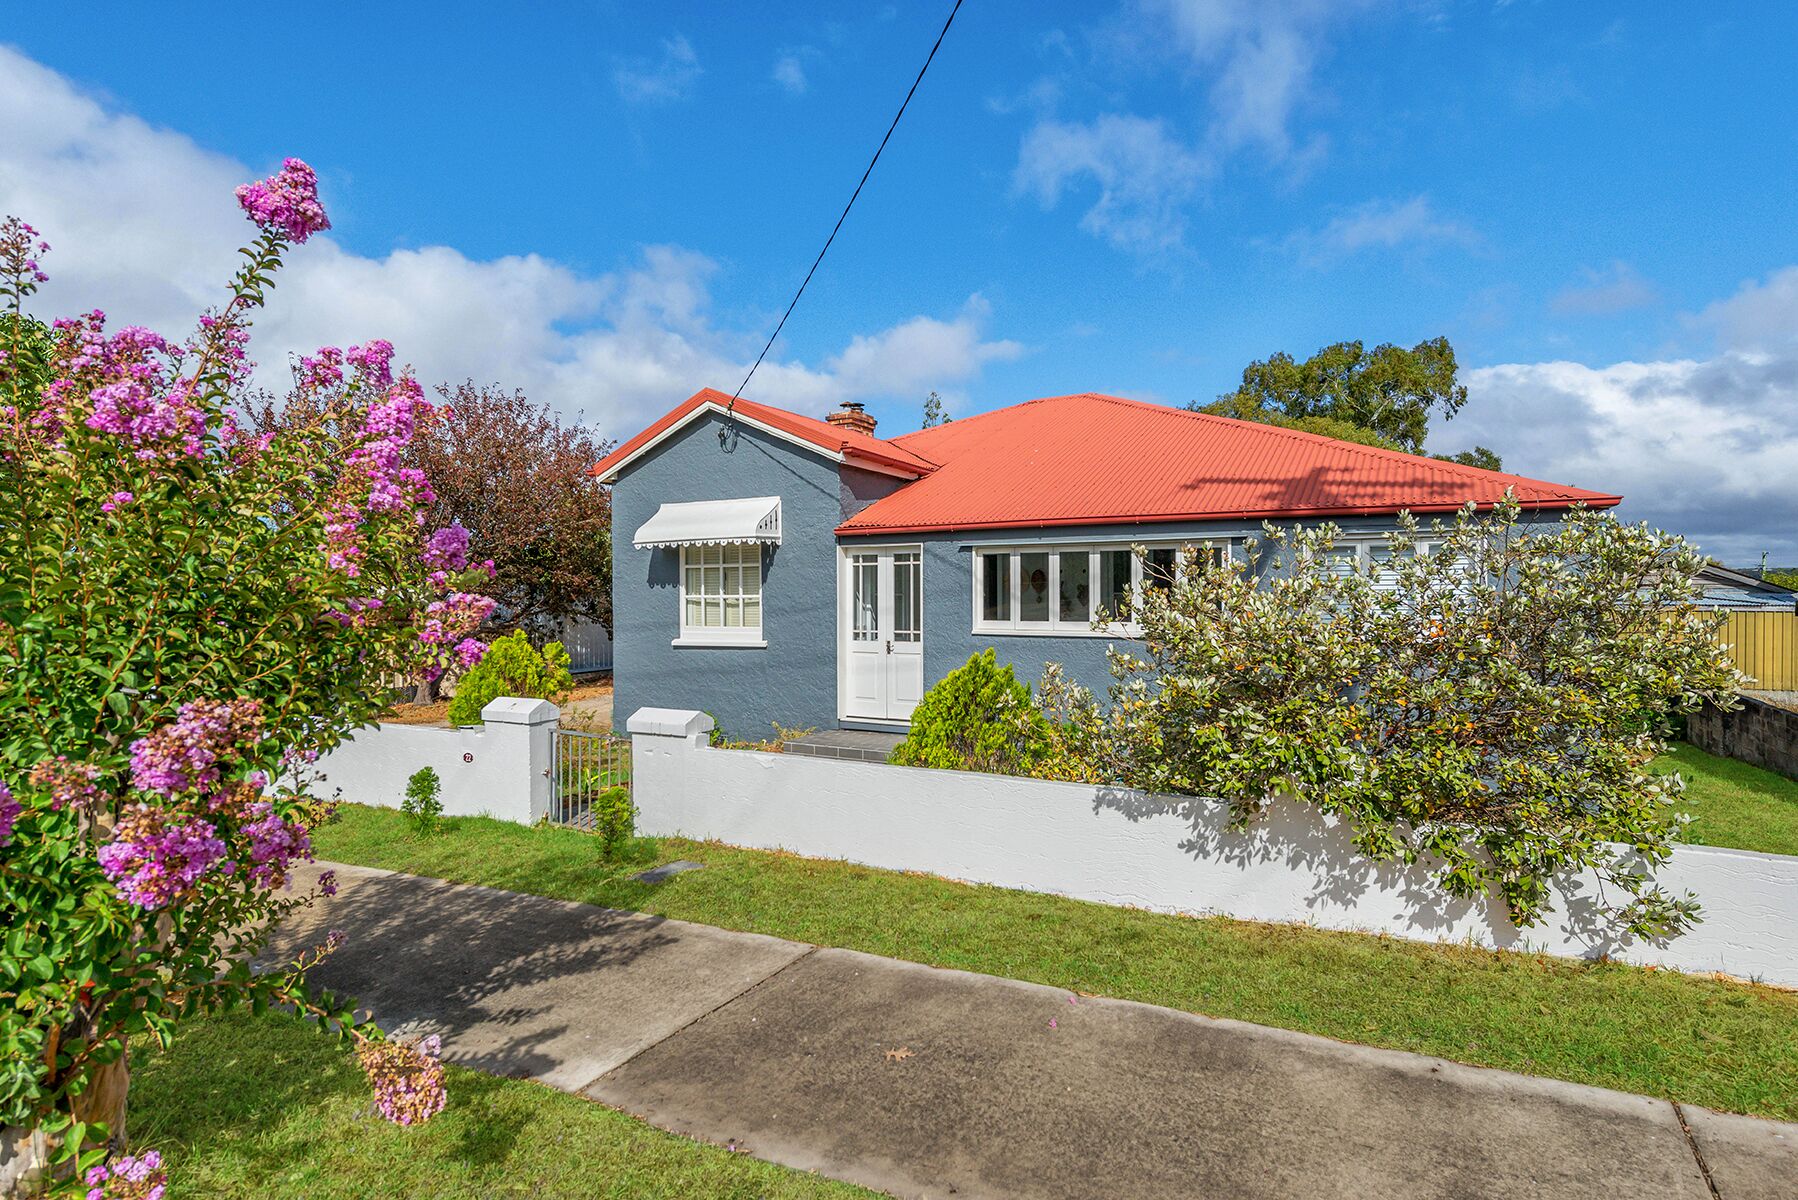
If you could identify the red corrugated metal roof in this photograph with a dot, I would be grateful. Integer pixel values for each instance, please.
(1090, 459)
(832, 438)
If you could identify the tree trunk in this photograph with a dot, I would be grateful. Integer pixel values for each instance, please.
(424, 692)
(25, 1153)
(24, 1162)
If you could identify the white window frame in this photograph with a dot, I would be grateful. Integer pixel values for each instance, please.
(1365, 544)
(738, 637)
(1055, 626)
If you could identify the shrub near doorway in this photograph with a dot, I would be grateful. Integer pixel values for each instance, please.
(980, 717)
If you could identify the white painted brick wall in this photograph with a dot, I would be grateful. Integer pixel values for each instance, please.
(1166, 854)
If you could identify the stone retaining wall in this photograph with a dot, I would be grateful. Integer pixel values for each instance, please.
(1763, 734)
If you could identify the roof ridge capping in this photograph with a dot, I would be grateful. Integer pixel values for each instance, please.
(835, 440)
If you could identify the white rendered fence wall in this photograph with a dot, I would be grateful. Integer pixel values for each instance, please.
(499, 768)
(1166, 854)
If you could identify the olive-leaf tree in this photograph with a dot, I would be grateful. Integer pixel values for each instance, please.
(1483, 696)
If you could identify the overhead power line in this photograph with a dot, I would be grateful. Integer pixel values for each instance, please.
(858, 191)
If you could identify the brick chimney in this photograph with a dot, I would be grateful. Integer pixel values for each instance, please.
(851, 416)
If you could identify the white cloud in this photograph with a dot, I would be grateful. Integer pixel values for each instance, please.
(1257, 60)
(143, 224)
(1145, 176)
(1379, 225)
(1259, 56)
(1760, 317)
(1704, 447)
(670, 76)
(789, 72)
(1618, 288)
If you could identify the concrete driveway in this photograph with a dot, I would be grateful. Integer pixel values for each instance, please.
(928, 1082)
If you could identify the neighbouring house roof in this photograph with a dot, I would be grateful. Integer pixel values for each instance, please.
(1719, 587)
(1094, 460)
(834, 441)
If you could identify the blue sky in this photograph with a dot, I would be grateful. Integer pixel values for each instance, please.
(609, 205)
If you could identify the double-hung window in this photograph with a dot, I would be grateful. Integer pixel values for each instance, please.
(1372, 557)
(721, 594)
(1066, 589)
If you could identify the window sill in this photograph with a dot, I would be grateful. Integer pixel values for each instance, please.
(718, 643)
(1045, 631)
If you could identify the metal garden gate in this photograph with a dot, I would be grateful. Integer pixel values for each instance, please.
(582, 765)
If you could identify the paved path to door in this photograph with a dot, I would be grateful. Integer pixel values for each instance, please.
(927, 1082)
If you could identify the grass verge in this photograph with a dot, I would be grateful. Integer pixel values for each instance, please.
(1722, 1044)
(1734, 804)
(264, 1107)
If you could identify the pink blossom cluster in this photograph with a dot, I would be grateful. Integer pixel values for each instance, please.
(358, 612)
(375, 465)
(444, 636)
(226, 342)
(20, 247)
(117, 501)
(185, 754)
(157, 857)
(373, 361)
(406, 1077)
(128, 1178)
(286, 202)
(274, 842)
(447, 549)
(71, 784)
(9, 813)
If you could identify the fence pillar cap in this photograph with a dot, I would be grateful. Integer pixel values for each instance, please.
(669, 722)
(516, 710)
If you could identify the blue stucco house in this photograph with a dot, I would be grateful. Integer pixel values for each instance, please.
(770, 567)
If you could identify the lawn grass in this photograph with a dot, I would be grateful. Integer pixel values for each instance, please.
(1734, 804)
(1722, 1044)
(264, 1107)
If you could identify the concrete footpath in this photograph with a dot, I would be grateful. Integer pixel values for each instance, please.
(925, 1082)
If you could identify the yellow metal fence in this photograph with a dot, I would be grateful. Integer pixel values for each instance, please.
(1764, 645)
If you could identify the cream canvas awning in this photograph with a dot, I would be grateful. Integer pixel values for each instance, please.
(712, 523)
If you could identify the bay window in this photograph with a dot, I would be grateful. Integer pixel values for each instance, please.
(1066, 589)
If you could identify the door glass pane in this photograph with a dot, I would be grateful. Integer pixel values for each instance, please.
(907, 598)
(995, 587)
(1114, 580)
(1033, 586)
(1074, 587)
(864, 601)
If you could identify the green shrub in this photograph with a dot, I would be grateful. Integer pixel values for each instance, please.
(423, 801)
(980, 717)
(511, 667)
(614, 819)
(1490, 708)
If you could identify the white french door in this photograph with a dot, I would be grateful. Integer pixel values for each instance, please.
(881, 623)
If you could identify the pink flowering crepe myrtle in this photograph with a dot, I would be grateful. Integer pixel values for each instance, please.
(286, 201)
(172, 813)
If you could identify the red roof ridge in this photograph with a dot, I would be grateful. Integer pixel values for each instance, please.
(1378, 453)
